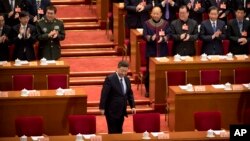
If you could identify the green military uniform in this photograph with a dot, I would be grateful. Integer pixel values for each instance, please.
(49, 47)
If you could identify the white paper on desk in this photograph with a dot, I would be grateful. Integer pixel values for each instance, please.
(185, 57)
(241, 56)
(221, 57)
(217, 132)
(24, 62)
(155, 134)
(220, 86)
(183, 87)
(246, 85)
(87, 136)
(3, 62)
(35, 138)
(161, 59)
(51, 61)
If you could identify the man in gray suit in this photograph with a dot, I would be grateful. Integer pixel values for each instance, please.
(184, 32)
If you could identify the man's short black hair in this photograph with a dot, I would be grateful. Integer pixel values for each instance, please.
(213, 8)
(241, 8)
(52, 8)
(123, 64)
(184, 7)
(23, 14)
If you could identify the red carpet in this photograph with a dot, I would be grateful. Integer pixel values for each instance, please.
(76, 11)
(85, 37)
(101, 63)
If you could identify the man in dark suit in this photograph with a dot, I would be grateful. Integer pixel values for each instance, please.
(223, 6)
(50, 33)
(169, 8)
(238, 31)
(24, 37)
(212, 32)
(4, 39)
(184, 32)
(116, 92)
(137, 12)
(242, 3)
(38, 8)
(10, 9)
(196, 9)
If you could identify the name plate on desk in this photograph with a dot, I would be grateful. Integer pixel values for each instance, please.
(161, 59)
(59, 62)
(241, 57)
(33, 63)
(4, 63)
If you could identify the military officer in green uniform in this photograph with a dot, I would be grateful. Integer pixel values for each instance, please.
(50, 33)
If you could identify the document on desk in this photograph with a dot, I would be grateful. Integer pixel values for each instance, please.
(220, 86)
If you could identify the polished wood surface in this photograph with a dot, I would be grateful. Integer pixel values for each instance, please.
(157, 70)
(33, 67)
(231, 104)
(54, 109)
(191, 136)
(119, 23)
(135, 37)
(102, 9)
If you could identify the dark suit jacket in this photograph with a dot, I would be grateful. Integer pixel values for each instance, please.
(212, 46)
(5, 8)
(136, 19)
(24, 46)
(234, 34)
(113, 101)
(184, 47)
(226, 11)
(240, 3)
(44, 5)
(196, 15)
(4, 51)
(172, 9)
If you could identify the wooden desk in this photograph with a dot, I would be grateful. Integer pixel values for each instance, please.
(135, 37)
(54, 109)
(190, 136)
(231, 104)
(34, 67)
(119, 23)
(158, 80)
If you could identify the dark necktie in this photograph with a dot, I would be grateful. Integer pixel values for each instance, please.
(240, 26)
(167, 11)
(218, 2)
(1, 30)
(122, 86)
(214, 26)
(192, 3)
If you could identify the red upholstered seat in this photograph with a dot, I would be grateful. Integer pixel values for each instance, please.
(20, 82)
(84, 124)
(146, 122)
(176, 77)
(241, 75)
(209, 77)
(246, 116)
(29, 126)
(198, 47)
(54, 81)
(207, 120)
(170, 47)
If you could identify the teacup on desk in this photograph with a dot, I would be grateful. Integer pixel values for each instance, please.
(228, 86)
(204, 57)
(177, 57)
(79, 137)
(24, 92)
(145, 135)
(43, 61)
(210, 133)
(59, 91)
(229, 56)
(17, 62)
(23, 138)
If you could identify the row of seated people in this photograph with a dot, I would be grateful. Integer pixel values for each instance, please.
(23, 36)
(54, 81)
(86, 124)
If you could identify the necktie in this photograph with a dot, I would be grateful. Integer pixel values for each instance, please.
(24, 34)
(192, 3)
(214, 26)
(218, 2)
(244, 3)
(167, 11)
(240, 26)
(122, 86)
(12, 4)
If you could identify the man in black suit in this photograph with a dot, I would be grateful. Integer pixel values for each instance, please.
(169, 8)
(11, 10)
(224, 8)
(38, 8)
(212, 32)
(116, 92)
(196, 9)
(137, 12)
(238, 31)
(184, 32)
(24, 37)
(4, 39)
(242, 3)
